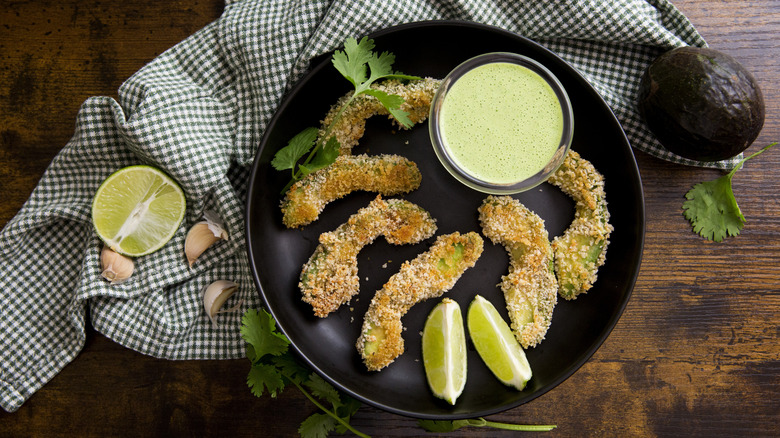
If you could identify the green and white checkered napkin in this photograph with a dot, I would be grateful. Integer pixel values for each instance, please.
(198, 112)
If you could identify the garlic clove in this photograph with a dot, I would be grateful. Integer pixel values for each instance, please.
(202, 235)
(215, 295)
(116, 267)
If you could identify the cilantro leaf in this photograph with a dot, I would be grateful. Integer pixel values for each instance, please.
(712, 208)
(291, 368)
(317, 426)
(348, 406)
(351, 63)
(389, 101)
(262, 377)
(402, 77)
(347, 409)
(322, 389)
(298, 146)
(393, 104)
(325, 156)
(259, 330)
(380, 66)
(343, 406)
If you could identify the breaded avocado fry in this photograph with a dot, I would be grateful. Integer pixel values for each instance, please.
(429, 275)
(330, 277)
(384, 174)
(530, 288)
(417, 96)
(582, 248)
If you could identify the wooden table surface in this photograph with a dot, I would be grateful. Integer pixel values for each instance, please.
(696, 352)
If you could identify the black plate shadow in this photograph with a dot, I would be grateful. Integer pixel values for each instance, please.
(276, 254)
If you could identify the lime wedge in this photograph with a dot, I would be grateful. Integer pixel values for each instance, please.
(444, 351)
(496, 344)
(137, 210)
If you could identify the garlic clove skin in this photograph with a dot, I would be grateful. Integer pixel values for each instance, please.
(215, 224)
(202, 235)
(116, 267)
(215, 295)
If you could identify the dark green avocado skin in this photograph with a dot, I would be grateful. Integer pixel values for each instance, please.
(701, 103)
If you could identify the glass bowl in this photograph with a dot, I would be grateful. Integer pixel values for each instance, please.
(501, 123)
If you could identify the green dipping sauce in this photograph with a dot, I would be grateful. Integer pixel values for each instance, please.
(501, 122)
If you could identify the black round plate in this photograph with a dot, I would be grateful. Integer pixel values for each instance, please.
(276, 254)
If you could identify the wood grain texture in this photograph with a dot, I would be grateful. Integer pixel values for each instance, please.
(696, 352)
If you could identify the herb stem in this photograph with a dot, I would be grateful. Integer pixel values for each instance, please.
(330, 127)
(289, 184)
(739, 165)
(521, 427)
(326, 410)
(481, 422)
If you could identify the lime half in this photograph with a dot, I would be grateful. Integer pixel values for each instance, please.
(137, 210)
(444, 351)
(496, 344)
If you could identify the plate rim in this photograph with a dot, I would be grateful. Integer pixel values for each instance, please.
(322, 61)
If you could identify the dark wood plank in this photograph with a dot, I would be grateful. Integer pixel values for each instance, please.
(696, 353)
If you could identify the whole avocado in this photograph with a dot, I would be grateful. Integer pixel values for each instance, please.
(701, 103)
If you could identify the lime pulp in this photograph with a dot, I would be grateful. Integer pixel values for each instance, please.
(444, 351)
(496, 345)
(137, 210)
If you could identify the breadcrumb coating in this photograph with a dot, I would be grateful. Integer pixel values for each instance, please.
(330, 277)
(429, 275)
(582, 248)
(385, 174)
(351, 126)
(530, 288)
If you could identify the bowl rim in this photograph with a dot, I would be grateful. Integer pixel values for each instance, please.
(444, 154)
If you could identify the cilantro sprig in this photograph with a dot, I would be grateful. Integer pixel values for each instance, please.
(361, 66)
(274, 367)
(712, 208)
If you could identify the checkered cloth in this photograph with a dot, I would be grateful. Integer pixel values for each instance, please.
(198, 112)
